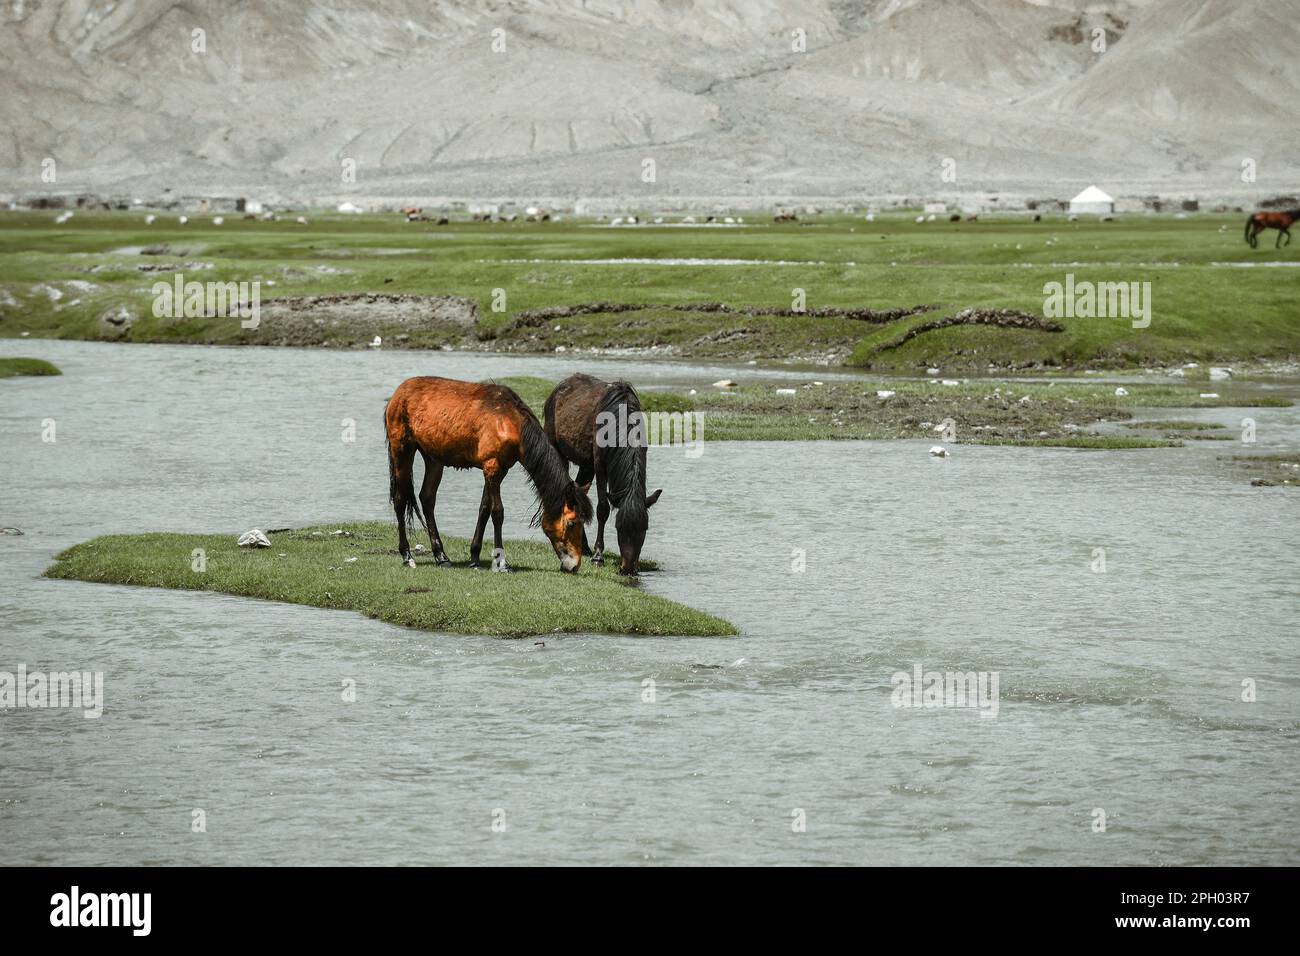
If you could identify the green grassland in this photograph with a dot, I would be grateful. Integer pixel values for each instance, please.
(12, 367)
(1207, 306)
(360, 571)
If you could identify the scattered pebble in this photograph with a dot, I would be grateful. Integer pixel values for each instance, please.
(938, 451)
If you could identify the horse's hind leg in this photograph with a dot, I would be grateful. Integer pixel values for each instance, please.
(401, 458)
(428, 499)
(1287, 233)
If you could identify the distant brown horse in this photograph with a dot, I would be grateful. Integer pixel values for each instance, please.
(599, 426)
(1281, 221)
(469, 425)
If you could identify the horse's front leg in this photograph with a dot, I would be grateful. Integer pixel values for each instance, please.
(585, 474)
(490, 505)
(602, 515)
(498, 516)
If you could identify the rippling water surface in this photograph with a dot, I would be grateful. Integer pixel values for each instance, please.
(1118, 691)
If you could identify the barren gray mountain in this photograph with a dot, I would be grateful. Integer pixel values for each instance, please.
(564, 100)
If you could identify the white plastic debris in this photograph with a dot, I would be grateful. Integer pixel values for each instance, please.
(950, 381)
(787, 391)
(885, 393)
(253, 539)
(1209, 394)
(938, 451)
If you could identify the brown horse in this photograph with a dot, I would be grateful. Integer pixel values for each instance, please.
(468, 425)
(1281, 221)
(599, 426)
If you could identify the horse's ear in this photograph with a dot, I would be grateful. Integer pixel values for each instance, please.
(651, 499)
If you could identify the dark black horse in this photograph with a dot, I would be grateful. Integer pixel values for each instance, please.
(599, 426)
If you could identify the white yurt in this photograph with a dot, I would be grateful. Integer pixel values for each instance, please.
(1092, 201)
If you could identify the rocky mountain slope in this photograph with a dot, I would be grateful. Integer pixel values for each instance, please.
(762, 100)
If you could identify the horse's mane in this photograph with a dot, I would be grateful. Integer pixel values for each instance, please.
(547, 471)
(625, 461)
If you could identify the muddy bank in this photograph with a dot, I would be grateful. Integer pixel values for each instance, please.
(354, 320)
(534, 317)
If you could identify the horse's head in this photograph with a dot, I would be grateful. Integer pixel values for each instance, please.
(563, 525)
(631, 525)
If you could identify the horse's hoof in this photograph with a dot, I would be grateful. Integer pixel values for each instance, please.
(443, 562)
(499, 561)
(597, 559)
(409, 562)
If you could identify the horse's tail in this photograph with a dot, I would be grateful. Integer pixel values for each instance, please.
(399, 489)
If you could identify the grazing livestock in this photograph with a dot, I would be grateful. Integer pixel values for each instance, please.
(1281, 221)
(469, 425)
(599, 426)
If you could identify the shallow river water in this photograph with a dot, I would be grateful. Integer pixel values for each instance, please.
(1118, 691)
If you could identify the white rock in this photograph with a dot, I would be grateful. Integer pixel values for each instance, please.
(1121, 391)
(724, 383)
(253, 539)
(1220, 374)
(931, 371)
(787, 391)
(884, 393)
(218, 221)
(920, 219)
(183, 220)
(302, 220)
(938, 451)
(950, 381)
(378, 341)
(149, 219)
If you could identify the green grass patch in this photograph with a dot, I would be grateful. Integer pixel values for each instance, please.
(1174, 426)
(10, 367)
(360, 571)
